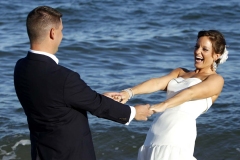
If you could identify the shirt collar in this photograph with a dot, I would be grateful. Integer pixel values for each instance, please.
(52, 56)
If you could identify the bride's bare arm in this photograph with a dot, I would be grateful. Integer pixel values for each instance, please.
(210, 87)
(151, 85)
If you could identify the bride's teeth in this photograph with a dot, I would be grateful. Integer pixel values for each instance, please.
(199, 58)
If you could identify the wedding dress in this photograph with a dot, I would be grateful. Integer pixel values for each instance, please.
(173, 133)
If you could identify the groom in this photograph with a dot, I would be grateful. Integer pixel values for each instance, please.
(56, 100)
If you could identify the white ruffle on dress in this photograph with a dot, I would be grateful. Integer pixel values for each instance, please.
(173, 133)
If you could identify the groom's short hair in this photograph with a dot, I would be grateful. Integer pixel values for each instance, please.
(39, 22)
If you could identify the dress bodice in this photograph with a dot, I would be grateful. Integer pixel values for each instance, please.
(195, 107)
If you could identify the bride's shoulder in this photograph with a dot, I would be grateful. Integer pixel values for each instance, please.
(215, 77)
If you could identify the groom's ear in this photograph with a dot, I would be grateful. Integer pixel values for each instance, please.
(52, 33)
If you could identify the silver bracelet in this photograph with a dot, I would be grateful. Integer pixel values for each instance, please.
(130, 92)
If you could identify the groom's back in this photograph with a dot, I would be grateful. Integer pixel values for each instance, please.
(57, 130)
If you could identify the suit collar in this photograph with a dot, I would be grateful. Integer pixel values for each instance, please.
(40, 57)
(46, 54)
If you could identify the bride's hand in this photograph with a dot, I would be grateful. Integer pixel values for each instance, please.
(159, 107)
(124, 96)
(113, 95)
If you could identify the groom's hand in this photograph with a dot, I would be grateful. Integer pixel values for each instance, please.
(143, 112)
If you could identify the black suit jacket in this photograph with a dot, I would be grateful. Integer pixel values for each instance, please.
(56, 100)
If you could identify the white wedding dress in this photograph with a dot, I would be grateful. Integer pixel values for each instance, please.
(173, 133)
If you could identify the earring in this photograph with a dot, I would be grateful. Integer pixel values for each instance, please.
(214, 66)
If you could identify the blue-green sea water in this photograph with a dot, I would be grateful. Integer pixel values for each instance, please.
(115, 44)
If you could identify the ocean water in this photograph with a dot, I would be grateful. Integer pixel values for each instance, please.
(114, 45)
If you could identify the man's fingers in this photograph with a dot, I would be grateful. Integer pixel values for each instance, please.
(143, 112)
(153, 109)
(150, 112)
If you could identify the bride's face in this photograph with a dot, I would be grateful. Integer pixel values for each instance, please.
(204, 53)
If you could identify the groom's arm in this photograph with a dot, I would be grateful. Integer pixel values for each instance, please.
(79, 95)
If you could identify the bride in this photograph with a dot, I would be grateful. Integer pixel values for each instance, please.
(189, 94)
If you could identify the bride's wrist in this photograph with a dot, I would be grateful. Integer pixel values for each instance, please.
(130, 92)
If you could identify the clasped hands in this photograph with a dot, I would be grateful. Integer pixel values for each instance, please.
(142, 111)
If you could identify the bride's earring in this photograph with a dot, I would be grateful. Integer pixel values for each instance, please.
(214, 66)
